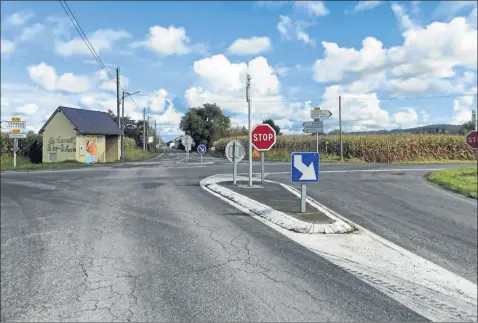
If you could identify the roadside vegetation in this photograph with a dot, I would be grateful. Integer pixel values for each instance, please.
(29, 154)
(460, 180)
(396, 148)
(209, 126)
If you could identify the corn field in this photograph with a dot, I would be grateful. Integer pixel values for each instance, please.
(372, 148)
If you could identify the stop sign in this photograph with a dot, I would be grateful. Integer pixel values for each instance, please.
(263, 137)
(472, 139)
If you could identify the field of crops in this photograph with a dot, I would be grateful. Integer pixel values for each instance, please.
(373, 148)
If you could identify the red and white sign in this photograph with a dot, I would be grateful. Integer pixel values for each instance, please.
(472, 139)
(263, 137)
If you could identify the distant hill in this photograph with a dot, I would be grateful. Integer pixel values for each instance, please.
(442, 128)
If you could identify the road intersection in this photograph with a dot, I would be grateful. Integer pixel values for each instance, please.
(144, 242)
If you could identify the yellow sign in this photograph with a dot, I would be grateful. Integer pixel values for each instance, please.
(15, 130)
(16, 119)
(317, 108)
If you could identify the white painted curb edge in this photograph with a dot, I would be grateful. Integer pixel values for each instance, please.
(281, 219)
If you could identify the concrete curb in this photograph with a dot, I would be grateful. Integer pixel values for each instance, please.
(281, 219)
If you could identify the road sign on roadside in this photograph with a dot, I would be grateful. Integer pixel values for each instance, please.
(472, 139)
(235, 151)
(304, 167)
(187, 140)
(263, 137)
(201, 149)
(320, 114)
(17, 135)
(313, 124)
(313, 130)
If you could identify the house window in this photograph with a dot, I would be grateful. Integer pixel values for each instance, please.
(52, 157)
(99, 139)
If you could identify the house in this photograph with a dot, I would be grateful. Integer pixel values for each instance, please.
(83, 135)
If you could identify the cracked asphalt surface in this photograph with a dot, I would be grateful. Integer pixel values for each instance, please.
(143, 242)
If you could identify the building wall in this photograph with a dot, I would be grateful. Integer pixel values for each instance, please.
(91, 148)
(59, 140)
(113, 148)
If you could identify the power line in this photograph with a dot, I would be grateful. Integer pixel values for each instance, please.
(88, 44)
(80, 31)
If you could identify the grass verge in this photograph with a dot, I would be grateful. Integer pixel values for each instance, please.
(24, 163)
(459, 180)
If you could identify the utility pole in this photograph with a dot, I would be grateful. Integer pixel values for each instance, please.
(122, 127)
(248, 98)
(125, 94)
(118, 95)
(156, 141)
(144, 128)
(148, 133)
(340, 129)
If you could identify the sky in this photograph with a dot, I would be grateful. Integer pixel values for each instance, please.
(394, 64)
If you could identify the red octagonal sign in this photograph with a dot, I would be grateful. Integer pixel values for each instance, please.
(263, 137)
(472, 139)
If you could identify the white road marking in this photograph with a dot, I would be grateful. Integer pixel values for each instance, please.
(424, 287)
(364, 170)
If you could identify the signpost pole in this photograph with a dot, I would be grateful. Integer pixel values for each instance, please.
(303, 198)
(262, 167)
(317, 141)
(234, 163)
(15, 147)
(201, 158)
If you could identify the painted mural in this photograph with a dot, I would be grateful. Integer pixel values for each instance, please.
(90, 149)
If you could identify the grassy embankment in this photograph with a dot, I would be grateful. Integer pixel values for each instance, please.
(459, 180)
(400, 148)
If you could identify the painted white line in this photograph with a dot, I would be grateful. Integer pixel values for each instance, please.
(443, 191)
(424, 287)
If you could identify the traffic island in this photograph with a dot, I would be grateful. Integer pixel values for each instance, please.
(276, 203)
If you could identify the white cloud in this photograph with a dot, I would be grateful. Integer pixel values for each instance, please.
(107, 84)
(404, 19)
(249, 46)
(449, 9)
(7, 46)
(407, 118)
(426, 62)
(288, 29)
(31, 32)
(367, 5)
(46, 76)
(313, 8)
(338, 61)
(28, 109)
(18, 18)
(462, 108)
(101, 40)
(166, 41)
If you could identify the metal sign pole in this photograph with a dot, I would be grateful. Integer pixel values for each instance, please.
(303, 198)
(234, 163)
(317, 141)
(262, 167)
(15, 147)
(201, 158)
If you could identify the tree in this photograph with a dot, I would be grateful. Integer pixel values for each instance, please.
(205, 124)
(271, 123)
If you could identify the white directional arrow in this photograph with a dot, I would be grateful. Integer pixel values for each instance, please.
(308, 172)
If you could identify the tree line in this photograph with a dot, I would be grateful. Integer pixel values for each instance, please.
(208, 123)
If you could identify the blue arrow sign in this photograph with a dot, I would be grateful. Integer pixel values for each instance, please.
(304, 167)
(202, 149)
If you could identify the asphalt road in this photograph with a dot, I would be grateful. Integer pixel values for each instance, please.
(143, 242)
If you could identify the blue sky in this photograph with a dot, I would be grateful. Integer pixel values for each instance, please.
(299, 54)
